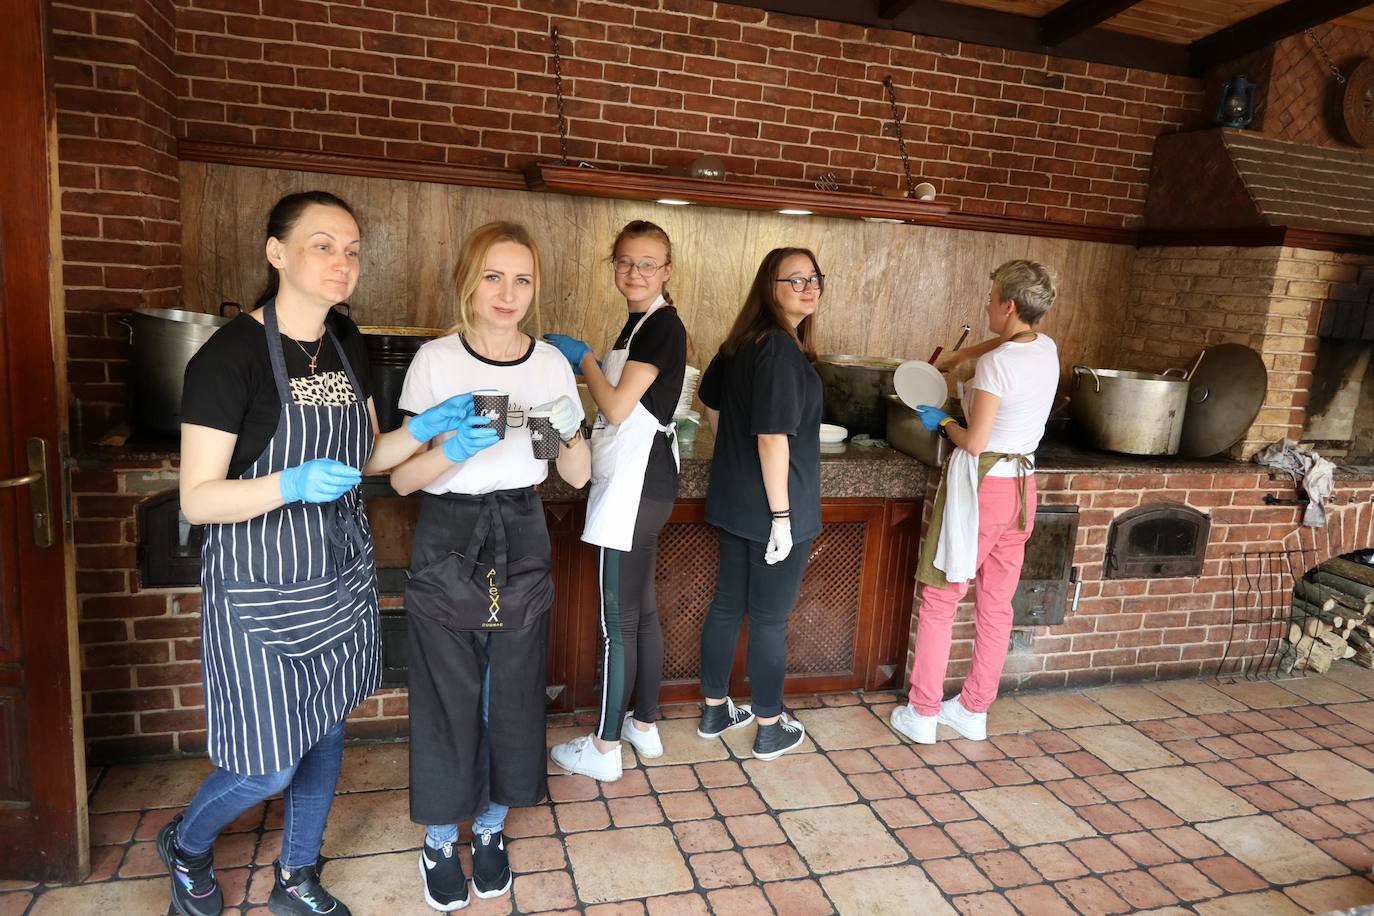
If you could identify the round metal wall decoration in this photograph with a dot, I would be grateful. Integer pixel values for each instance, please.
(1357, 103)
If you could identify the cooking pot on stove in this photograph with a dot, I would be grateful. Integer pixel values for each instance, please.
(1139, 413)
(390, 350)
(163, 341)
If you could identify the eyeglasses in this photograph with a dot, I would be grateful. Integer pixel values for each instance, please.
(647, 267)
(800, 284)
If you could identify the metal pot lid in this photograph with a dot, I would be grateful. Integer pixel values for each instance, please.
(1224, 396)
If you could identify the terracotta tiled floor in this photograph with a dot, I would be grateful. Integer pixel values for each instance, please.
(1244, 798)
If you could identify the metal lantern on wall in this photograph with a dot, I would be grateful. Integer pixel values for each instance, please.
(1237, 105)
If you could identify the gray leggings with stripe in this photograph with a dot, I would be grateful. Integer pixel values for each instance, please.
(631, 638)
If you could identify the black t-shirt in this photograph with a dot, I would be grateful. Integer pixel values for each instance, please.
(661, 341)
(768, 387)
(229, 382)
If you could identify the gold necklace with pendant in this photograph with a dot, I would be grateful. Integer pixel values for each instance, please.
(314, 358)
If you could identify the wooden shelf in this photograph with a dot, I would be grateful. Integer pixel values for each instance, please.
(362, 166)
(569, 179)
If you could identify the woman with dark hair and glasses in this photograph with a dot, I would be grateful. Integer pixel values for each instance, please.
(763, 399)
(277, 429)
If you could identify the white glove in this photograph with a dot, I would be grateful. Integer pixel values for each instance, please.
(779, 541)
(564, 416)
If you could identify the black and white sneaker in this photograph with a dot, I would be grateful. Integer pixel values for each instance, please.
(446, 888)
(777, 738)
(490, 868)
(195, 892)
(717, 720)
(300, 893)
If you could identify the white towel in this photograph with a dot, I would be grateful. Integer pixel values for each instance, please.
(956, 551)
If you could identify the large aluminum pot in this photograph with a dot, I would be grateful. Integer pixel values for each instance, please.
(853, 388)
(164, 340)
(389, 352)
(1138, 413)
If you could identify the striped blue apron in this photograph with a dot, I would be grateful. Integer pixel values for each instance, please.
(289, 629)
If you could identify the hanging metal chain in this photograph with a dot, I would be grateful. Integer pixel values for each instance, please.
(558, 86)
(1316, 43)
(901, 141)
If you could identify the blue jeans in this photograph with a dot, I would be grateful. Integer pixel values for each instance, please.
(492, 817)
(307, 787)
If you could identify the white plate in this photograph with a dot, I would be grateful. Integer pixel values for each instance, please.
(832, 434)
(918, 382)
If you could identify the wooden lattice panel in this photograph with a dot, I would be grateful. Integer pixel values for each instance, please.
(821, 633)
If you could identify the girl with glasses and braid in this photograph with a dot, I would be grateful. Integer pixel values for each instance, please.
(634, 485)
(763, 400)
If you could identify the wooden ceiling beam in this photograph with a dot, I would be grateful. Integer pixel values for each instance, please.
(1077, 16)
(960, 22)
(1261, 29)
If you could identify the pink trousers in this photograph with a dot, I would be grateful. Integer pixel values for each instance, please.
(1001, 549)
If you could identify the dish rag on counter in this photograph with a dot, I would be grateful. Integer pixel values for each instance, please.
(1315, 474)
(956, 551)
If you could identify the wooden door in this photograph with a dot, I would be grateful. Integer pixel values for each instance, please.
(42, 773)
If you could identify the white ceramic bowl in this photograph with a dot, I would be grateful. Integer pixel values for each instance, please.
(832, 434)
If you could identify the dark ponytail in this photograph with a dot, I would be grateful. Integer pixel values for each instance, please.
(282, 220)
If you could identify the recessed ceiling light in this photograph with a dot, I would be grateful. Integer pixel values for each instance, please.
(793, 211)
(673, 201)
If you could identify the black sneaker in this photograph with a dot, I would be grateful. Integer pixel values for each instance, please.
(490, 868)
(195, 892)
(302, 894)
(717, 720)
(446, 888)
(778, 738)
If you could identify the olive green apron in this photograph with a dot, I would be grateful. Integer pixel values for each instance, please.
(926, 573)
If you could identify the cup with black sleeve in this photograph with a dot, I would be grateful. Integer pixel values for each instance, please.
(763, 397)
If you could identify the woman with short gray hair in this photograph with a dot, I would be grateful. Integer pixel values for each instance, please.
(985, 508)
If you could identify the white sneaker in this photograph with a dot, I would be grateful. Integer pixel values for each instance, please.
(581, 756)
(915, 726)
(648, 744)
(972, 725)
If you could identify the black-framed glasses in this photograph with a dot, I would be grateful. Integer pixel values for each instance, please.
(800, 284)
(647, 267)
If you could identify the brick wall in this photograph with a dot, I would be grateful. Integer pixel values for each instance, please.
(648, 83)
(113, 69)
(1144, 629)
(1181, 299)
(1303, 98)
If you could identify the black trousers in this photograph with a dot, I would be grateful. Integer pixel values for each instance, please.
(631, 638)
(451, 767)
(767, 594)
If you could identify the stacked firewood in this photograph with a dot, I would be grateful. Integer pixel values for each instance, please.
(1332, 608)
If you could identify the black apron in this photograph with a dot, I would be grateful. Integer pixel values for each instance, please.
(452, 771)
(289, 627)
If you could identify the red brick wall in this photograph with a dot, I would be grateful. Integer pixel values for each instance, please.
(780, 98)
(1144, 629)
(116, 98)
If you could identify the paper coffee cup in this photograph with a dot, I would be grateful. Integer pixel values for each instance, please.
(493, 404)
(544, 439)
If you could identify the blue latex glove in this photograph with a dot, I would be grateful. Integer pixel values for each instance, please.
(472, 434)
(440, 418)
(564, 416)
(930, 417)
(573, 350)
(322, 480)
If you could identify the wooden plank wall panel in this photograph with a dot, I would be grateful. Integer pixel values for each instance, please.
(892, 290)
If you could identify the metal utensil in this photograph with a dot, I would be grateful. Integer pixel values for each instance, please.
(938, 350)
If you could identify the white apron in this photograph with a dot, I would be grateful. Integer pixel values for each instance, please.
(620, 453)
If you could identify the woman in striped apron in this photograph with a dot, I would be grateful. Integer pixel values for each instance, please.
(277, 431)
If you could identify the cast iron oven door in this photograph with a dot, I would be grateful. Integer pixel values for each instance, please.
(1160, 541)
(1047, 573)
(168, 545)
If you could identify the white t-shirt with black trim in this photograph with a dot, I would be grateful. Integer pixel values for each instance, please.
(445, 367)
(1025, 375)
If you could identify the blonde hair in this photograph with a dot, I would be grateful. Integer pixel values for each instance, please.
(472, 256)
